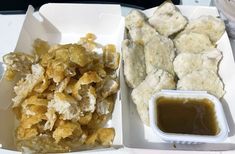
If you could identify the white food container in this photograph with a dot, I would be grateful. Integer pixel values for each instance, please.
(138, 135)
(63, 23)
(189, 138)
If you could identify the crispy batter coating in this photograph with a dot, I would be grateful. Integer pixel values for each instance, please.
(103, 136)
(111, 57)
(26, 85)
(65, 130)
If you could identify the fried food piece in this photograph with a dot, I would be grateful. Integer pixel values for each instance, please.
(79, 55)
(56, 47)
(110, 56)
(97, 65)
(26, 86)
(34, 100)
(192, 42)
(44, 144)
(204, 80)
(62, 54)
(154, 82)
(56, 70)
(140, 31)
(105, 106)
(88, 101)
(66, 106)
(46, 59)
(86, 79)
(51, 119)
(84, 120)
(41, 47)
(26, 133)
(63, 84)
(88, 42)
(90, 37)
(103, 136)
(43, 85)
(34, 105)
(106, 135)
(167, 19)
(19, 62)
(185, 63)
(211, 26)
(9, 74)
(159, 53)
(134, 63)
(58, 64)
(110, 86)
(143, 110)
(65, 130)
(98, 121)
(70, 86)
(29, 121)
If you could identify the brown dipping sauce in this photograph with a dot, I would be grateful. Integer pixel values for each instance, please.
(186, 116)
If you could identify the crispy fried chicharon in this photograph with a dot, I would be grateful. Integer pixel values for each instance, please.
(65, 96)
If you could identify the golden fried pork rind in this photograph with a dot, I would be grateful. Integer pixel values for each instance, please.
(41, 47)
(111, 56)
(17, 62)
(79, 55)
(86, 79)
(25, 86)
(65, 130)
(103, 136)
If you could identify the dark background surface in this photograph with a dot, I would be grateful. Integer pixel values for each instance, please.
(20, 6)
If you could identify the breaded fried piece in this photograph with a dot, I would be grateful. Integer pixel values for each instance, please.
(110, 56)
(109, 87)
(19, 62)
(204, 80)
(186, 63)
(192, 42)
(134, 63)
(24, 87)
(103, 136)
(66, 106)
(159, 53)
(155, 81)
(140, 31)
(65, 130)
(105, 106)
(167, 19)
(209, 25)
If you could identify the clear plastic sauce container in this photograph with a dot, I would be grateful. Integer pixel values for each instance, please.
(187, 117)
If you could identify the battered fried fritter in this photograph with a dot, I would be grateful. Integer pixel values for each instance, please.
(159, 53)
(204, 80)
(209, 25)
(192, 42)
(139, 30)
(186, 63)
(167, 19)
(155, 81)
(134, 63)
